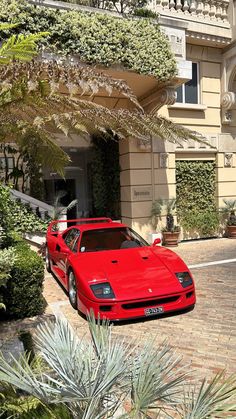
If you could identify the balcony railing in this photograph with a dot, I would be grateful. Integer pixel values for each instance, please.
(209, 10)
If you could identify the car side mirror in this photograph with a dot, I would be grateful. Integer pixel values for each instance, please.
(156, 242)
(62, 248)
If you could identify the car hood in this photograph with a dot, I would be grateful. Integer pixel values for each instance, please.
(132, 273)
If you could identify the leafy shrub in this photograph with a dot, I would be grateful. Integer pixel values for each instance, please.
(7, 259)
(143, 12)
(22, 295)
(25, 220)
(196, 202)
(16, 217)
(205, 223)
(97, 38)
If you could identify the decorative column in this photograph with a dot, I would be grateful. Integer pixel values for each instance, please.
(178, 5)
(206, 10)
(192, 8)
(172, 5)
(212, 10)
(199, 10)
(165, 4)
(224, 7)
(218, 11)
(186, 6)
(157, 5)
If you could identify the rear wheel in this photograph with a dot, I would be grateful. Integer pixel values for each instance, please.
(72, 289)
(47, 260)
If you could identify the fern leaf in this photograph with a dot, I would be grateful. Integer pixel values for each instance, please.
(22, 47)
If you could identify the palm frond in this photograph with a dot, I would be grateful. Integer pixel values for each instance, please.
(87, 379)
(72, 204)
(21, 375)
(212, 400)
(157, 378)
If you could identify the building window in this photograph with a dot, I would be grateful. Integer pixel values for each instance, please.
(189, 92)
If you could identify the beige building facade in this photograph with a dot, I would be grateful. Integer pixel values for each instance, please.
(202, 35)
(202, 97)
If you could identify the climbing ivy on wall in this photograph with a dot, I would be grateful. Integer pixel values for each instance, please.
(105, 173)
(136, 44)
(195, 189)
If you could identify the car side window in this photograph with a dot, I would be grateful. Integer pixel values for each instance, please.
(69, 238)
(75, 243)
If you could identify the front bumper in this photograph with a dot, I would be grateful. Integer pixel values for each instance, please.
(128, 309)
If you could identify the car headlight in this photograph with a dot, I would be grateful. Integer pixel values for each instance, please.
(102, 290)
(184, 278)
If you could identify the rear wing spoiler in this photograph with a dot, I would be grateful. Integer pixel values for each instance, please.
(53, 225)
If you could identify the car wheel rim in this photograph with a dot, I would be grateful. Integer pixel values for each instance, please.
(47, 259)
(72, 288)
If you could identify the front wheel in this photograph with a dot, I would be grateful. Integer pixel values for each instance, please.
(47, 260)
(72, 289)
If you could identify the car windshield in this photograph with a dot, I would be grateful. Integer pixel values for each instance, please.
(110, 239)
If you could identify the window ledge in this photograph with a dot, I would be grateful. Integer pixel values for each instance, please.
(188, 106)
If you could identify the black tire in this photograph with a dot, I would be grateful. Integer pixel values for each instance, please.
(72, 289)
(47, 260)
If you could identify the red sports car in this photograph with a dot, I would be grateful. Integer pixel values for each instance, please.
(107, 267)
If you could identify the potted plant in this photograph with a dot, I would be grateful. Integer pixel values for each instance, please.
(171, 232)
(229, 210)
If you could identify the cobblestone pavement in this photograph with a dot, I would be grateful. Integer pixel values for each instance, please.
(206, 336)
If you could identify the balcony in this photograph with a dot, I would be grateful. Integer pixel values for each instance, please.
(207, 21)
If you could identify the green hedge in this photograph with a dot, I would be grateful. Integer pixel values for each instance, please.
(135, 43)
(22, 295)
(196, 202)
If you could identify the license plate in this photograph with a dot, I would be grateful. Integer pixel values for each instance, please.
(152, 311)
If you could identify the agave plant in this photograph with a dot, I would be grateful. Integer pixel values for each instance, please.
(106, 377)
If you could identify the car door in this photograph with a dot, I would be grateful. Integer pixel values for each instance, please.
(62, 252)
(70, 245)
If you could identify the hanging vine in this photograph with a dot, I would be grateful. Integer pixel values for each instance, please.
(106, 176)
(196, 203)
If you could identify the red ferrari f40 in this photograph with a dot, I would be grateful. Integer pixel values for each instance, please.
(108, 268)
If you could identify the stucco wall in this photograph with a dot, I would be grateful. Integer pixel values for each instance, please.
(141, 169)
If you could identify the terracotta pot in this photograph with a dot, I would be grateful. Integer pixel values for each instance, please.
(231, 232)
(170, 239)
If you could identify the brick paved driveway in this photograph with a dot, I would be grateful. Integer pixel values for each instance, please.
(206, 336)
